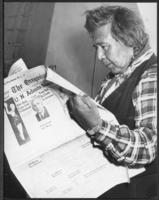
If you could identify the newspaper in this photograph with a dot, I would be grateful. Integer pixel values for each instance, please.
(18, 66)
(104, 113)
(48, 152)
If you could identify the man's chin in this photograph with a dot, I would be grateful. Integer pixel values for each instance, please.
(112, 69)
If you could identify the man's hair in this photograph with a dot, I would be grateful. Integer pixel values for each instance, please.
(126, 26)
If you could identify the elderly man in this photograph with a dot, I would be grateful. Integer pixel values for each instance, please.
(129, 92)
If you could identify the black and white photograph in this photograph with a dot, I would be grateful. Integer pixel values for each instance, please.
(105, 55)
(39, 108)
(16, 122)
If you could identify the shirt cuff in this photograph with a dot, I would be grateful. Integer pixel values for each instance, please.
(96, 129)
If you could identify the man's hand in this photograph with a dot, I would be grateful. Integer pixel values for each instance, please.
(84, 111)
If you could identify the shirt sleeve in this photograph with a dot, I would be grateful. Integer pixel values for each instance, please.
(136, 147)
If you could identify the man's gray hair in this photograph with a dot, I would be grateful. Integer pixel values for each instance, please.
(126, 25)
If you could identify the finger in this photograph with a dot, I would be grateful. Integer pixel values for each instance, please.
(77, 100)
(87, 101)
(80, 102)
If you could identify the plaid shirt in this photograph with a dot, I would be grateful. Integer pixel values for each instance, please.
(138, 146)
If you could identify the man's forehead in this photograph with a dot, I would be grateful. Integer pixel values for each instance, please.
(101, 33)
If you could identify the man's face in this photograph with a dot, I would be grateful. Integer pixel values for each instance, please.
(37, 105)
(112, 53)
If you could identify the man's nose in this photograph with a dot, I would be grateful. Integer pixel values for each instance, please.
(100, 53)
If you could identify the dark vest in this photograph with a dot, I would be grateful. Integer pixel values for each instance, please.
(120, 101)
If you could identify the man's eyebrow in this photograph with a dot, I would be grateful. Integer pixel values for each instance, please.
(94, 45)
(99, 43)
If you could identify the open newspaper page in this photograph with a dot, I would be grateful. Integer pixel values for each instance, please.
(28, 131)
(48, 152)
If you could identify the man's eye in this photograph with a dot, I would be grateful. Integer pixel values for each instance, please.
(94, 46)
(105, 47)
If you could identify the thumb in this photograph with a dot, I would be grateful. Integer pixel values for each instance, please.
(86, 99)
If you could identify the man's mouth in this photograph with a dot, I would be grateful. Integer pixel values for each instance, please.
(108, 65)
